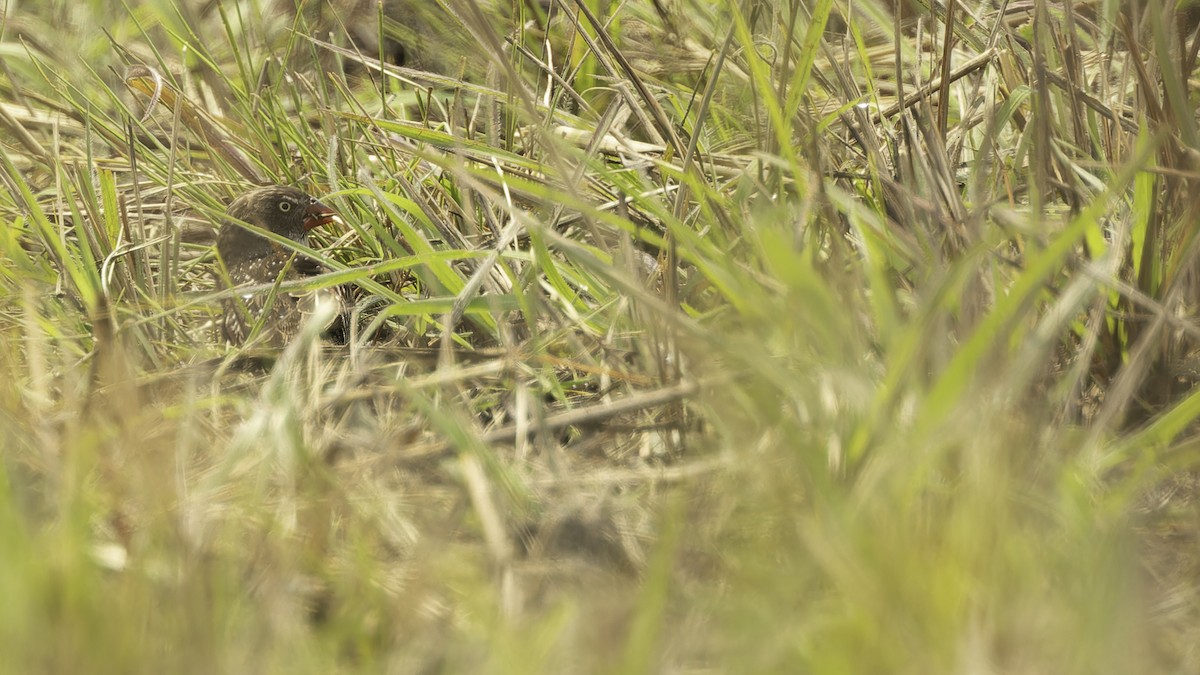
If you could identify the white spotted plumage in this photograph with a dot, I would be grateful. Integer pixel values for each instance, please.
(253, 260)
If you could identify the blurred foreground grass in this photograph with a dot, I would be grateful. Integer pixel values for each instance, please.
(695, 337)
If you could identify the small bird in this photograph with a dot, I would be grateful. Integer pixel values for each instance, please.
(254, 260)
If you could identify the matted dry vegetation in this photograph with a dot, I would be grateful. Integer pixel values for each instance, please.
(690, 336)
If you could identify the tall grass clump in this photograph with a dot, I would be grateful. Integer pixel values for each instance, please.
(686, 337)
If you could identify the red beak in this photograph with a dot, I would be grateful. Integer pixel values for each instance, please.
(317, 214)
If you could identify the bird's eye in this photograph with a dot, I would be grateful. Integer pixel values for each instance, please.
(285, 206)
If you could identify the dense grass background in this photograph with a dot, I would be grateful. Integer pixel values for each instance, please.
(695, 336)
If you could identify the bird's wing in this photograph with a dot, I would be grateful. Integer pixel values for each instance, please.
(307, 267)
(282, 314)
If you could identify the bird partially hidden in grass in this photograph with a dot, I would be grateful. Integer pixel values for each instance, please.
(264, 312)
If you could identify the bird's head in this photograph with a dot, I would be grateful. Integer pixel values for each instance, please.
(284, 210)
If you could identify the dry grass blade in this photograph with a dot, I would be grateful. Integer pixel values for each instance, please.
(151, 83)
